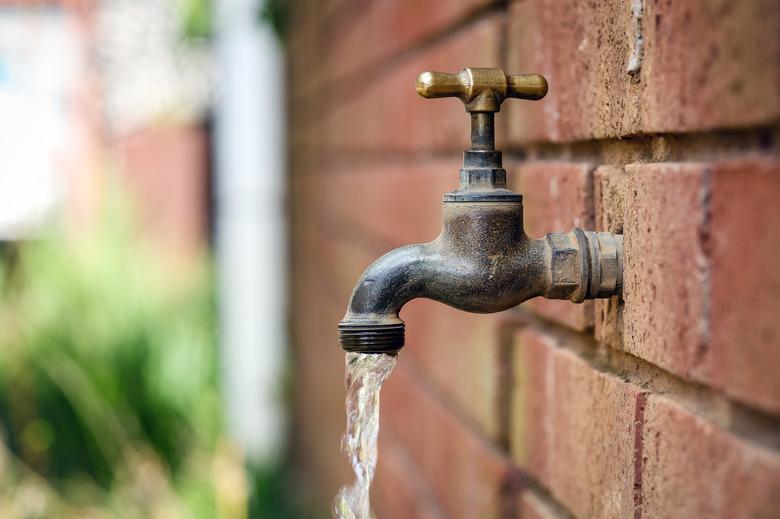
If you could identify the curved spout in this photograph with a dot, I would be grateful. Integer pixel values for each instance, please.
(475, 283)
(482, 262)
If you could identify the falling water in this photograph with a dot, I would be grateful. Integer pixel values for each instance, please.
(364, 375)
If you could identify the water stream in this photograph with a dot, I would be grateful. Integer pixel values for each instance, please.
(364, 375)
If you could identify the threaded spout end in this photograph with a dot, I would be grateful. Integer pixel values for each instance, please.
(363, 337)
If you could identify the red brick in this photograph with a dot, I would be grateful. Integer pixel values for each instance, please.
(557, 196)
(399, 489)
(369, 32)
(694, 469)
(711, 64)
(466, 473)
(665, 276)
(165, 172)
(701, 287)
(705, 65)
(398, 202)
(609, 198)
(459, 352)
(574, 428)
(531, 422)
(319, 364)
(582, 49)
(744, 244)
(387, 114)
(609, 195)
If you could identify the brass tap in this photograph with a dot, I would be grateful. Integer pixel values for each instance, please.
(482, 261)
(481, 89)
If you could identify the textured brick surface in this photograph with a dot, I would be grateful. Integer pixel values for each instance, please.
(387, 113)
(609, 208)
(700, 286)
(744, 243)
(556, 197)
(466, 473)
(693, 469)
(400, 489)
(574, 428)
(460, 354)
(397, 202)
(363, 33)
(700, 67)
(710, 64)
(662, 404)
(581, 48)
(335, 43)
(665, 265)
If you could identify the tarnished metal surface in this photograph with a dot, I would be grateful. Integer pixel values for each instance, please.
(482, 262)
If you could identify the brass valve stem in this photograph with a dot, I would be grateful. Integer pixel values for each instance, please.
(482, 90)
(483, 131)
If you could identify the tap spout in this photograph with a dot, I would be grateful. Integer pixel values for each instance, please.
(482, 262)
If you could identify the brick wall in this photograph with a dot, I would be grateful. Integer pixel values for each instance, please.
(662, 122)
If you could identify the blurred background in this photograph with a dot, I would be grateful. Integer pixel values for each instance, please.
(142, 259)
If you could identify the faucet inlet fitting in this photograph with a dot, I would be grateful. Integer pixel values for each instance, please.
(482, 262)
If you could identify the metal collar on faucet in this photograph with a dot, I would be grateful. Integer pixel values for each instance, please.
(482, 262)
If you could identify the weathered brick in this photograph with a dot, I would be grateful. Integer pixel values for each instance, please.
(387, 114)
(467, 474)
(460, 353)
(398, 202)
(399, 489)
(701, 290)
(694, 469)
(582, 49)
(557, 196)
(609, 196)
(744, 244)
(369, 32)
(574, 428)
(700, 67)
(710, 64)
(666, 274)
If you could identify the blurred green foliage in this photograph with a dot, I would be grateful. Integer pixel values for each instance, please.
(275, 13)
(197, 18)
(109, 399)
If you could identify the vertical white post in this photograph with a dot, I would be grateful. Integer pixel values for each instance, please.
(250, 227)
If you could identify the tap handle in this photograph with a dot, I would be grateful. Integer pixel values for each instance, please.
(481, 89)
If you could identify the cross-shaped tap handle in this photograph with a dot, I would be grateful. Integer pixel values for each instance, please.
(481, 89)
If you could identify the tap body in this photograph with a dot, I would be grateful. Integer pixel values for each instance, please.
(481, 262)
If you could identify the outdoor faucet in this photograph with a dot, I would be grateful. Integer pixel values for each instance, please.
(482, 262)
